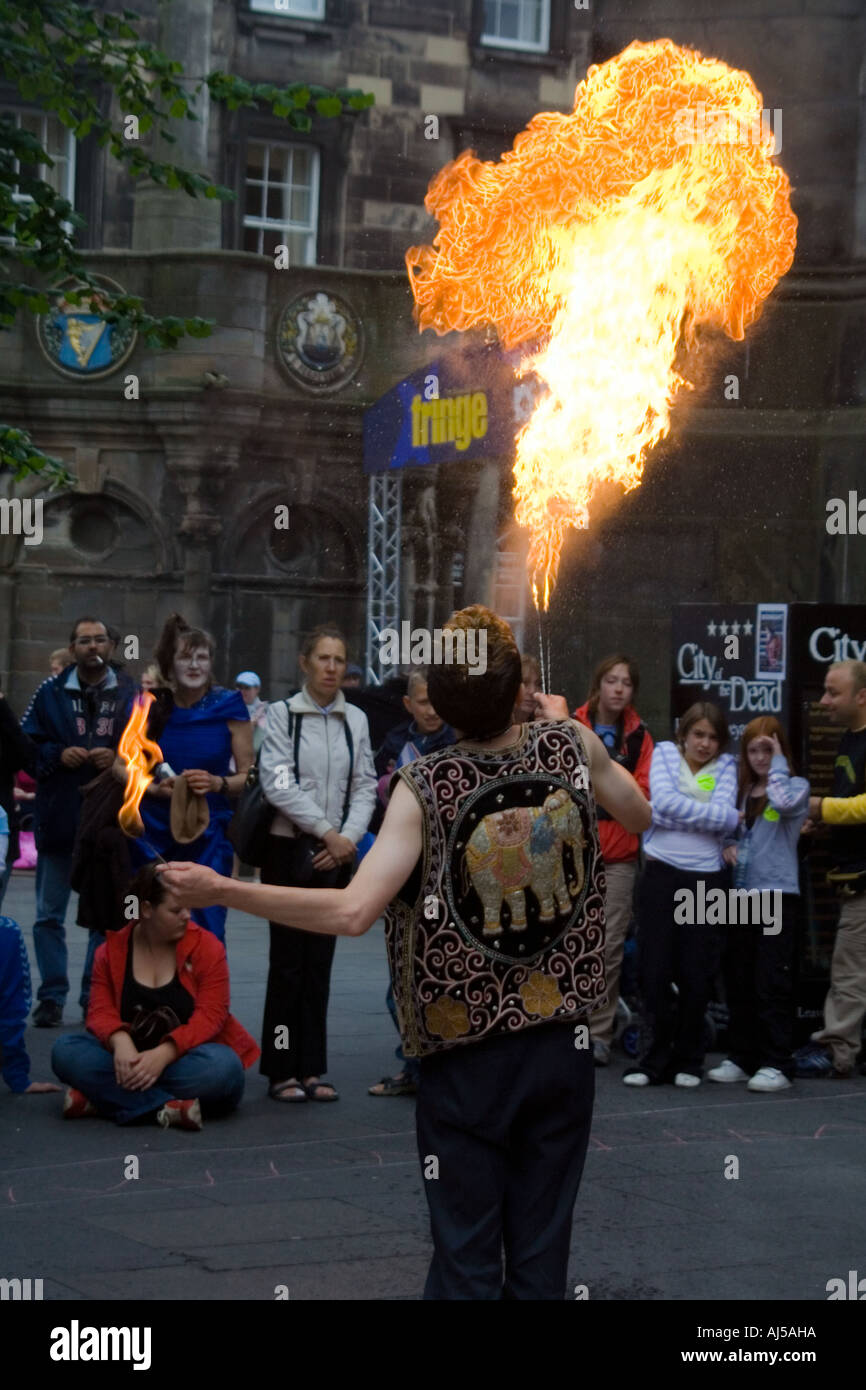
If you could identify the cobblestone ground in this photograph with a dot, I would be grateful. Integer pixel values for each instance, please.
(327, 1200)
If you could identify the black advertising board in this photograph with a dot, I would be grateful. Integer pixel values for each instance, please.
(734, 655)
(771, 658)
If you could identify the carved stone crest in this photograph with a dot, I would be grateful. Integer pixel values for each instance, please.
(319, 341)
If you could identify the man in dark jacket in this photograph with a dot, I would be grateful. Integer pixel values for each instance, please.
(75, 719)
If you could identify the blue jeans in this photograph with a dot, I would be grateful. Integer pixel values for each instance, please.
(411, 1065)
(97, 939)
(49, 938)
(213, 1073)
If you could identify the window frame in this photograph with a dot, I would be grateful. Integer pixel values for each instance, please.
(263, 224)
(68, 161)
(517, 45)
(333, 141)
(270, 9)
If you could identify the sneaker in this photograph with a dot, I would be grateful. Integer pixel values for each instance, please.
(635, 1078)
(48, 1014)
(685, 1078)
(76, 1105)
(812, 1062)
(727, 1071)
(768, 1079)
(600, 1052)
(180, 1114)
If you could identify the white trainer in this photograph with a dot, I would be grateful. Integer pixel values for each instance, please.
(685, 1078)
(769, 1079)
(727, 1071)
(636, 1078)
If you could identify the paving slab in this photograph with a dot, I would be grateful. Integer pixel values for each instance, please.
(328, 1200)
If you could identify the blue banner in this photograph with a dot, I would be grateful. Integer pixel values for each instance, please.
(459, 407)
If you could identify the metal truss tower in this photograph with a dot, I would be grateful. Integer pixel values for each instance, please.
(383, 564)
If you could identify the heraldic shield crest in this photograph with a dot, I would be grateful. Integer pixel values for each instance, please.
(519, 871)
(77, 340)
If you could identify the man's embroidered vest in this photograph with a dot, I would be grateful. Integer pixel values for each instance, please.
(507, 928)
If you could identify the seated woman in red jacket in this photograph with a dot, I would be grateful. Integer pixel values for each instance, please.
(160, 1040)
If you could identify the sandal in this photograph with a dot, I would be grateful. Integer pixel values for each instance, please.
(394, 1086)
(315, 1086)
(278, 1090)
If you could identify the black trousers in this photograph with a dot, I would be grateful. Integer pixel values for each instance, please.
(299, 982)
(759, 972)
(670, 952)
(503, 1128)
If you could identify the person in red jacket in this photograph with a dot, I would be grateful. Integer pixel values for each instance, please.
(609, 711)
(160, 1040)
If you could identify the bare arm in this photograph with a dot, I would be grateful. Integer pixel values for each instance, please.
(327, 911)
(241, 731)
(615, 789)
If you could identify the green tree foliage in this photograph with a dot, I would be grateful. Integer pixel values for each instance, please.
(70, 60)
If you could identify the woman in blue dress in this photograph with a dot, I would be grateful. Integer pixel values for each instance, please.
(200, 727)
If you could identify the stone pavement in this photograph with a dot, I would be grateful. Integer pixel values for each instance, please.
(327, 1199)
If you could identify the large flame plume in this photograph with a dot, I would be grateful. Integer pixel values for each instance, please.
(142, 755)
(601, 242)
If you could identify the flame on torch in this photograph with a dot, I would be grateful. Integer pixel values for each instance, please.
(601, 242)
(142, 755)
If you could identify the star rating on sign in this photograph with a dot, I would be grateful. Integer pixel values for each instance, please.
(735, 628)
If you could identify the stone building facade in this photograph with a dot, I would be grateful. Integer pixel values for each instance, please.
(179, 486)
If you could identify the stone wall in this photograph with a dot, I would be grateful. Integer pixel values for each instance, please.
(177, 488)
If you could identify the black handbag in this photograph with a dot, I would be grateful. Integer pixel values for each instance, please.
(249, 830)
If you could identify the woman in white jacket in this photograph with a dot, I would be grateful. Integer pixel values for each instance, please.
(316, 770)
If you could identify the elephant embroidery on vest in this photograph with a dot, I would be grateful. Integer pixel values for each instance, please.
(514, 851)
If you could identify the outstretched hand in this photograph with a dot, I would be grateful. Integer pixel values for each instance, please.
(551, 706)
(194, 884)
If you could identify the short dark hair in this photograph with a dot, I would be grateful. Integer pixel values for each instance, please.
(148, 886)
(87, 619)
(703, 709)
(177, 630)
(606, 664)
(479, 704)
